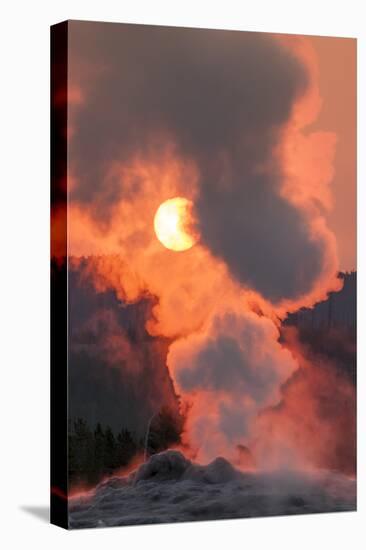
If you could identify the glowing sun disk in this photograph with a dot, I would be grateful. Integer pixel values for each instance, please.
(171, 224)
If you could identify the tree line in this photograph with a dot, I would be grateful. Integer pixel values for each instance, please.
(94, 453)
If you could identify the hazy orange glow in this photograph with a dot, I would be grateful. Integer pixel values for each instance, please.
(198, 301)
(171, 224)
(307, 159)
(337, 61)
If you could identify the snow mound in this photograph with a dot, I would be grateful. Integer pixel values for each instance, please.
(172, 465)
(170, 488)
(218, 471)
(169, 465)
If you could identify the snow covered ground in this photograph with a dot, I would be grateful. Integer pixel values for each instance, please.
(170, 488)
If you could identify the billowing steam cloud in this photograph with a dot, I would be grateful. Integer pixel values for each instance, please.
(229, 372)
(216, 117)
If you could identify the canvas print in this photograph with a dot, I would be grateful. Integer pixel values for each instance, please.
(203, 274)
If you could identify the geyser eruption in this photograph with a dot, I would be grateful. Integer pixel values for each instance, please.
(264, 247)
(228, 372)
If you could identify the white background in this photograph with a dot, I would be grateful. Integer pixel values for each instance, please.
(24, 284)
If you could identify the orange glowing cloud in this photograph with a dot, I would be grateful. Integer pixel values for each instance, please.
(307, 160)
(125, 254)
(226, 360)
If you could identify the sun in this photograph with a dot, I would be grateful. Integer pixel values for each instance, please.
(173, 224)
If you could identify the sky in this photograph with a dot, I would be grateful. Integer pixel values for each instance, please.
(337, 81)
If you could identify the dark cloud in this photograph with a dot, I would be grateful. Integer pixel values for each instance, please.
(264, 240)
(223, 98)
